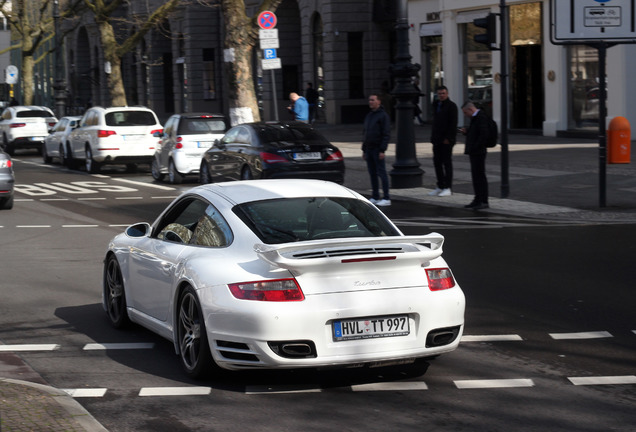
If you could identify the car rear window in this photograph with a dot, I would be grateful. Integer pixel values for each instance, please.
(297, 219)
(277, 134)
(191, 126)
(33, 113)
(130, 118)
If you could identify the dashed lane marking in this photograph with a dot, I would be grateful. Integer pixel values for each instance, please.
(80, 226)
(175, 391)
(603, 380)
(127, 181)
(85, 392)
(118, 346)
(491, 338)
(28, 347)
(581, 335)
(390, 386)
(494, 383)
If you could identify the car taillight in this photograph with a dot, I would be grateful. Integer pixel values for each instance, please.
(337, 156)
(152, 132)
(272, 158)
(439, 279)
(281, 290)
(5, 163)
(179, 143)
(52, 124)
(17, 125)
(103, 133)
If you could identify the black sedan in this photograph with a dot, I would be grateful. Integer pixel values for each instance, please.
(272, 150)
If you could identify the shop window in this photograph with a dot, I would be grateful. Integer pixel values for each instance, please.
(584, 87)
(209, 83)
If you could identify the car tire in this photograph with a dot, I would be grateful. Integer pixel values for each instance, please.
(155, 171)
(131, 168)
(246, 173)
(6, 203)
(62, 156)
(174, 176)
(204, 174)
(115, 294)
(194, 350)
(92, 166)
(45, 155)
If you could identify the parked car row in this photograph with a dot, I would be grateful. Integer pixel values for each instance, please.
(7, 181)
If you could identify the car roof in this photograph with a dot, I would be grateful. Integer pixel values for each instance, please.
(30, 108)
(239, 192)
(123, 108)
(201, 114)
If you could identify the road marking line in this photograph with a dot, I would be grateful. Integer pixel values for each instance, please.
(164, 197)
(150, 185)
(175, 391)
(390, 386)
(494, 383)
(29, 347)
(602, 380)
(119, 225)
(80, 226)
(129, 198)
(33, 226)
(85, 392)
(91, 199)
(117, 346)
(581, 335)
(490, 338)
(24, 200)
(54, 199)
(280, 389)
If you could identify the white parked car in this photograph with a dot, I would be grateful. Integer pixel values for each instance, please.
(184, 140)
(117, 135)
(25, 127)
(283, 274)
(54, 142)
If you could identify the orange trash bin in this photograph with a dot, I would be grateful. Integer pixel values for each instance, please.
(618, 141)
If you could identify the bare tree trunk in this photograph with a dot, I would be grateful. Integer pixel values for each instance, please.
(27, 80)
(114, 79)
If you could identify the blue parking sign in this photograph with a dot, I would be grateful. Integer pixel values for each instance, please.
(269, 53)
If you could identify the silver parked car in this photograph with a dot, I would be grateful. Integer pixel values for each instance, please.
(184, 140)
(7, 181)
(54, 143)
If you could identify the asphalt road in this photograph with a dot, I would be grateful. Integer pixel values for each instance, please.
(549, 341)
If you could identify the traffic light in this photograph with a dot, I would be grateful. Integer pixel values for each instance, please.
(490, 37)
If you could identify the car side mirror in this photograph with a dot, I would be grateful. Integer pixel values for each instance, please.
(141, 229)
(218, 143)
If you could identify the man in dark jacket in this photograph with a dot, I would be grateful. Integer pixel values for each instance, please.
(376, 133)
(443, 137)
(477, 137)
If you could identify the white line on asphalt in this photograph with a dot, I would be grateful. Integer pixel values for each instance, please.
(150, 185)
(29, 347)
(603, 380)
(129, 198)
(494, 383)
(175, 391)
(24, 200)
(581, 335)
(165, 197)
(33, 226)
(85, 392)
(54, 199)
(91, 199)
(80, 226)
(491, 338)
(391, 386)
(119, 225)
(118, 346)
(280, 389)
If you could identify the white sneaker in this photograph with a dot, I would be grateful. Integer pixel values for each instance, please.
(445, 192)
(373, 200)
(435, 192)
(383, 203)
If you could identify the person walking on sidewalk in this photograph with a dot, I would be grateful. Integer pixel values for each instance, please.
(477, 137)
(376, 135)
(443, 138)
(299, 107)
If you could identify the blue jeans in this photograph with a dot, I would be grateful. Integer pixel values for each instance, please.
(377, 168)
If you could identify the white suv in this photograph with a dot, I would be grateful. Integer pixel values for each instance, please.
(116, 135)
(25, 127)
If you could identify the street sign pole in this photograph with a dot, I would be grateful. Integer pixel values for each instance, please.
(268, 37)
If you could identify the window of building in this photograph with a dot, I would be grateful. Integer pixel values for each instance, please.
(356, 65)
(583, 87)
(478, 63)
(209, 83)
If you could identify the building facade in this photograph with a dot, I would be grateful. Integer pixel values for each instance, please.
(553, 89)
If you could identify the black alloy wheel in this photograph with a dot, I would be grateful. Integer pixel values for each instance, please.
(114, 294)
(194, 350)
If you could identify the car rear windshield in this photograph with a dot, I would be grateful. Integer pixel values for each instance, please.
(33, 113)
(130, 118)
(192, 126)
(297, 219)
(281, 134)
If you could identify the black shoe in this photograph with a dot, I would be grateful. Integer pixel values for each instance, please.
(480, 206)
(471, 205)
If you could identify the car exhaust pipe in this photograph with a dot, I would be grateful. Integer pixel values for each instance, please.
(294, 349)
(441, 337)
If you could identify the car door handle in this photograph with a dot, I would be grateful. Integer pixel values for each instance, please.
(166, 267)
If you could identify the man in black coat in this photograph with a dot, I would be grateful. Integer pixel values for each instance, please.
(477, 137)
(375, 141)
(443, 138)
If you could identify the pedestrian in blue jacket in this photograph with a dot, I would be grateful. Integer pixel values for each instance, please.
(299, 107)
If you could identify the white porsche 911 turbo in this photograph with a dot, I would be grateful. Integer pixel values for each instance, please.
(283, 274)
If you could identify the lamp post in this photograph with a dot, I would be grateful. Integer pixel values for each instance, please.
(406, 172)
(59, 85)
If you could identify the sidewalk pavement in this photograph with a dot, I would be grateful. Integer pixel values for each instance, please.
(550, 178)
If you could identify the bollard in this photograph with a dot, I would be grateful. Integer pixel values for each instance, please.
(619, 141)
